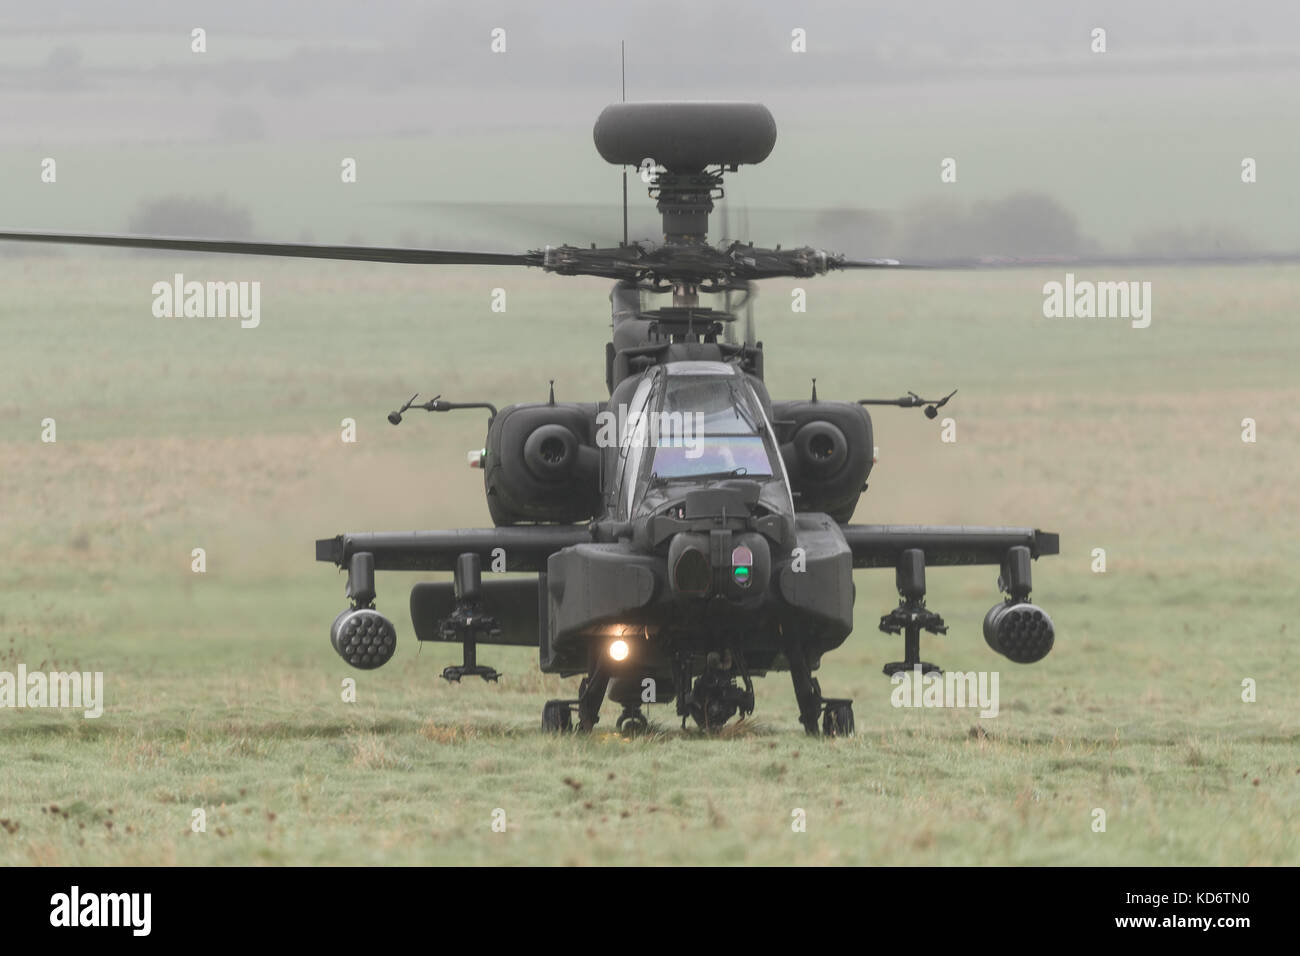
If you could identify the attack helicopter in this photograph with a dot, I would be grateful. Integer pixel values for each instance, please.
(688, 533)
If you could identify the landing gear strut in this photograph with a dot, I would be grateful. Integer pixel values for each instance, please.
(591, 694)
(557, 715)
(836, 713)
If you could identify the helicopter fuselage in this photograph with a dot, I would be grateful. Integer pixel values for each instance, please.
(675, 542)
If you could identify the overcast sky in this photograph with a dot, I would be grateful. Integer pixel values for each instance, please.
(1158, 125)
(86, 68)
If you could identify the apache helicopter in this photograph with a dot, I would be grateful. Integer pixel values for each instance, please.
(674, 562)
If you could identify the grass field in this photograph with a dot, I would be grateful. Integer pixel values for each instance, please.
(223, 694)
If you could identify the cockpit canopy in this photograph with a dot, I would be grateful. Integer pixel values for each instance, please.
(693, 422)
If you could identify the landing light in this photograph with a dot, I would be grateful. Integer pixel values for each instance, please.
(618, 650)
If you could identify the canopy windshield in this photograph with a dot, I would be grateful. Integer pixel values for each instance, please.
(708, 425)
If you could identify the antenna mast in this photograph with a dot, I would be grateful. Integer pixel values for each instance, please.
(622, 64)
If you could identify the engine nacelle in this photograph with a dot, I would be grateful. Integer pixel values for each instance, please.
(542, 464)
(828, 451)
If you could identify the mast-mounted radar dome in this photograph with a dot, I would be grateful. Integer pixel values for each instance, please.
(687, 147)
(685, 137)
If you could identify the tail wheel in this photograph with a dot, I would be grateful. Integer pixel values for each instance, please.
(631, 725)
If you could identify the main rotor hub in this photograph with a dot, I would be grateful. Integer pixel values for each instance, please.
(686, 147)
(685, 295)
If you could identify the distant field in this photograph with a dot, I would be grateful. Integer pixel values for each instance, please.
(1126, 155)
(223, 694)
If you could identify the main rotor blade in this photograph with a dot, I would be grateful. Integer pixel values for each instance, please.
(1039, 262)
(876, 264)
(296, 250)
(842, 229)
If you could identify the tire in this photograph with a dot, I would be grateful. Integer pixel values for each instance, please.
(557, 717)
(632, 725)
(838, 720)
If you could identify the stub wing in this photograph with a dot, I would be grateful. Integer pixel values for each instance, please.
(510, 549)
(881, 545)
(470, 609)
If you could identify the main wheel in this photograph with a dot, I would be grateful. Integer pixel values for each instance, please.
(557, 718)
(632, 724)
(838, 720)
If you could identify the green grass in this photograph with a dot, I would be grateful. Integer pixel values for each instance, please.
(222, 692)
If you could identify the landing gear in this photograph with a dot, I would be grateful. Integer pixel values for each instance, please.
(632, 722)
(557, 716)
(911, 617)
(837, 718)
(836, 713)
(591, 694)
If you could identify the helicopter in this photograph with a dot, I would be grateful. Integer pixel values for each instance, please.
(688, 533)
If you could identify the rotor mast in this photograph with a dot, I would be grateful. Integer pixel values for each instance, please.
(685, 201)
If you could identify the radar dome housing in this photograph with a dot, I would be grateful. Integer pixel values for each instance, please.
(685, 137)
